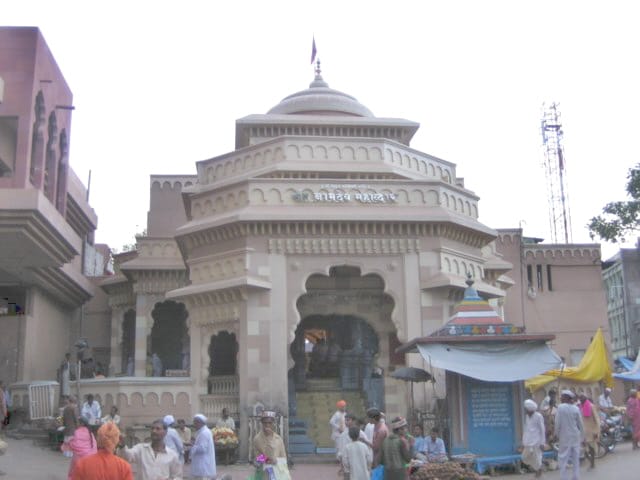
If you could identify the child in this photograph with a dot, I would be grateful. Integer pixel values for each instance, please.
(356, 458)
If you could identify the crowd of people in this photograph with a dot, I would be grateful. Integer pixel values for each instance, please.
(97, 447)
(364, 447)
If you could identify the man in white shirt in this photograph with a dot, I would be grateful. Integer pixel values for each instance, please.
(533, 437)
(113, 416)
(570, 432)
(226, 421)
(203, 454)
(153, 460)
(172, 440)
(356, 457)
(92, 411)
(344, 439)
(337, 421)
(604, 401)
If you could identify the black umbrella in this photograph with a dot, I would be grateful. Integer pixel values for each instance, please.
(412, 374)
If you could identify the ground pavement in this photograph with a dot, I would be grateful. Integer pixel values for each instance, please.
(24, 461)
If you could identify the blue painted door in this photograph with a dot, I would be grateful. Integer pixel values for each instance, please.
(490, 417)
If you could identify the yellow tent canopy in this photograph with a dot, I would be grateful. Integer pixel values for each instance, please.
(594, 367)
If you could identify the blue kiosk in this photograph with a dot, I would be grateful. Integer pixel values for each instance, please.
(486, 362)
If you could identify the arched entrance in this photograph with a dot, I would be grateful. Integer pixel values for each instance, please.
(340, 349)
(169, 335)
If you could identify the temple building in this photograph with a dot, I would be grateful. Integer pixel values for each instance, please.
(298, 262)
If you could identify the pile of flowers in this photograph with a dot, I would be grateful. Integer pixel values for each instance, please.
(262, 467)
(224, 437)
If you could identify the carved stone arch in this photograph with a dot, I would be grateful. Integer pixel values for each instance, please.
(61, 186)
(208, 206)
(169, 337)
(417, 197)
(242, 198)
(108, 402)
(275, 196)
(397, 158)
(210, 174)
(348, 153)
(334, 153)
(237, 165)
(388, 155)
(362, 154)
(432, 198)
(446, 176)
(467, 207)
(257, 196)
(364, 270)
(151, 400)
(230, 201)
(228, 168)
(445, 199)
(37, 142)
(439, 172)
(375, 154)
(447, 265)
(456, 267)
(460, 205)
(268, 156)
(258, 159)
(122, 401)
(166, 185)
(136, 400)
(218, 205)
(432, 170)
(475, 211)
(219, 171)
(279, 154)
(306, 152)
(403, 196)
(406, 161)
(166, 401)
(320, 152)
(155, 185)
(51, 157)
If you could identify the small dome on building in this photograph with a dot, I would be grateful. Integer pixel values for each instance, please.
(319, 99)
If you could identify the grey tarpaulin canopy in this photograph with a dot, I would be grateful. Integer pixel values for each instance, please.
(492, 361)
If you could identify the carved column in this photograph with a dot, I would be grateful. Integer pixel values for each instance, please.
(117, 314)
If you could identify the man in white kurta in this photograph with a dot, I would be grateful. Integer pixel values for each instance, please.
(570, 432)
(202, 453)
(356, 457)
(337, 422)
(533, 437)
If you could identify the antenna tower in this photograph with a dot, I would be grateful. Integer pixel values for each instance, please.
(555, 170)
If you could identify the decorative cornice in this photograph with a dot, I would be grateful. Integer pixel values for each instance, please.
(63, 287)
(344, 246)
(310, 231)
(121, 295)
(157, 281)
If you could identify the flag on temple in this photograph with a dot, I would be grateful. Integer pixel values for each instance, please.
(314, 51)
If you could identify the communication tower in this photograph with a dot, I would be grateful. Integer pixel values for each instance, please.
(555, 169)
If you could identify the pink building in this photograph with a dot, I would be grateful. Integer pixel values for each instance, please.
(46, 224)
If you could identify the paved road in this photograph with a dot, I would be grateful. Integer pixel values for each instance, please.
(24, 461)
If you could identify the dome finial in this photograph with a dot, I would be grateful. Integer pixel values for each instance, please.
(318, 81)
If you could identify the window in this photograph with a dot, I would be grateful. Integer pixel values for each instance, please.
(539, 277)
(549, 284)
(529, 276)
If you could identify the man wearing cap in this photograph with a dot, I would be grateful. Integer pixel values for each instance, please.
(153, 460)
(202, 453)
(173, 440)
(604, 401)
(337, 422)
(533, 437)
(569, 430)
(267, 442)
(396, 451)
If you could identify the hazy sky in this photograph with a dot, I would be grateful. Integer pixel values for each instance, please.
(158, 85)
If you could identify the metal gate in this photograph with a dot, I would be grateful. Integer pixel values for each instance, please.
(42, 400)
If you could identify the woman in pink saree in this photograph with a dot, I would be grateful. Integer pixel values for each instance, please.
(82, 443)
(633, 414)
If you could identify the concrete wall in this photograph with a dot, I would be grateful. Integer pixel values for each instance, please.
(166, 210)
(47, 330)
(9, 347)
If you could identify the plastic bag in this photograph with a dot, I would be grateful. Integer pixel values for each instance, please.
(378, 473)
(281, 470)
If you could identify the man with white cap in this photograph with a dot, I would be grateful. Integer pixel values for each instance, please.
(569, 430)
(173, 440)
(533, 437)
(267, 442)
(604, 401)
(203, 455)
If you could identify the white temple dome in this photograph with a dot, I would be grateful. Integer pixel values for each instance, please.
(319, 99)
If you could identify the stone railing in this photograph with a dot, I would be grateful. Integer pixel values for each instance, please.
(223, 385)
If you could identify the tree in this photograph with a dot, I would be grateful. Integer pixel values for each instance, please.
(620, 218)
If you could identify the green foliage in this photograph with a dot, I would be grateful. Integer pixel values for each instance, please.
(621, 218)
